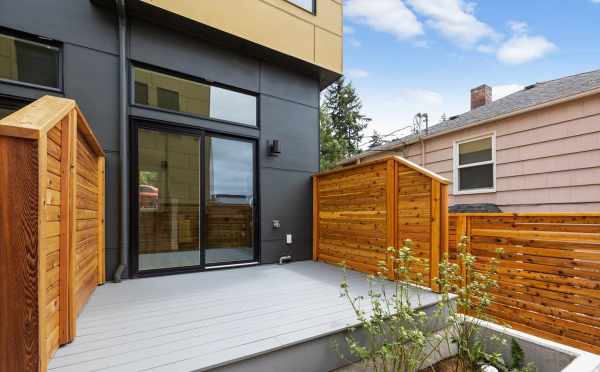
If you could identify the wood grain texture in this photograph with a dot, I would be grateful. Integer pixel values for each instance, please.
(549, 273)
(52, 255)
(19, 255)
(101, 221)
(360, 211)
(86, 243)
(315, 218)
(45, 229)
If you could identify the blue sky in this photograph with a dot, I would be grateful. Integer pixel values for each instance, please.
(409, 56)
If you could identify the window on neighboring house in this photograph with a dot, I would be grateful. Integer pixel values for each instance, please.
(475, 165)
(305, 4)
(29, 62)
(165, 91)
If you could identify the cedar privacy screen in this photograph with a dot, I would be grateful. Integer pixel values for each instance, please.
(360, 211)
(548, 274)
(51, 227)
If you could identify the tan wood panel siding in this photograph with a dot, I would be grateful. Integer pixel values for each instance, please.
(276, 24)
(549, 272)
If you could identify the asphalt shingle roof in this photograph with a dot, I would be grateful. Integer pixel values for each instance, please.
(531, 96)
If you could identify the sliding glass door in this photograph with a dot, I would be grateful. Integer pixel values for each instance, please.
(169, 206)
(195, 202)
(229, 200)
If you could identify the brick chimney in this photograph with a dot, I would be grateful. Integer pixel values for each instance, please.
(481, 96)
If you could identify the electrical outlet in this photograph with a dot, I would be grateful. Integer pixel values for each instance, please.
(288, 238)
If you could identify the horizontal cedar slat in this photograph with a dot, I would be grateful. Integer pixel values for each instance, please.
(548, 275)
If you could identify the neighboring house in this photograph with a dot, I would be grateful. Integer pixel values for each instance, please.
(207, 87)
(536, 150)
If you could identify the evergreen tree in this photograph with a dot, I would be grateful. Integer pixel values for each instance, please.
(343, 108)
(330, 150)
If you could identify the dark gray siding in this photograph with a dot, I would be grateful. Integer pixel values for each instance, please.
(288, 107)
(90, 76)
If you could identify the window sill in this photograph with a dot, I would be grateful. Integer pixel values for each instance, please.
(475, 191)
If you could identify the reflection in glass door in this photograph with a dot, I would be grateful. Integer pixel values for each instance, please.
(195, 200)
(229, 200)
(168, 200)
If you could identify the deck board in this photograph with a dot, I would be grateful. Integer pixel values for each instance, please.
(209, 319)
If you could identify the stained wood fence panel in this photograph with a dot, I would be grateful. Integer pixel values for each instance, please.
(549, 271)
(41, 264)
(360, 211)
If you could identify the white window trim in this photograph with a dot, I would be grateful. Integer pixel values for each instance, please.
(456, 166)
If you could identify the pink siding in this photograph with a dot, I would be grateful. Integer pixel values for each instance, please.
(546, 160)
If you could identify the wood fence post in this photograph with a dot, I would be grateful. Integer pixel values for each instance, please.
(42, 251)
(462, 231)
(315, 210)
(101, 250)
(72, 223)
(65, 231)
(435, 230)
(391, 220)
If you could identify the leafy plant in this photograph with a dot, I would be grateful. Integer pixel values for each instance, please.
(471, 284)
(397, 335)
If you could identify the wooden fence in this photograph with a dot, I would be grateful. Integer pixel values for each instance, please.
(549, 273)
(51, 226)
(360, 211)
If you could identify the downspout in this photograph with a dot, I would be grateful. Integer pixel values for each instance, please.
(124, 156)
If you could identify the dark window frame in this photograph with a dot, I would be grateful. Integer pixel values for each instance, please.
(136, 123)
(314, 6)
(196, 79)
(43, 41)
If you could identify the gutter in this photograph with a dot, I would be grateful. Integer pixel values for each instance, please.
(487, 121)
(124, 154)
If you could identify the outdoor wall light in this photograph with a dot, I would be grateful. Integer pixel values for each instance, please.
(274, 148)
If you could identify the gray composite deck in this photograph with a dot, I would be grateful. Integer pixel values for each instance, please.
(214, 319)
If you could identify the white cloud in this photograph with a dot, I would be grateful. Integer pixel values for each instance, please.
(348, 30)
(518, 27)
(595, 1)
(357, 73)
(390, 16)
(521, 47)
(500, 91)
(420, 99)
(455, 20)
(524, 48)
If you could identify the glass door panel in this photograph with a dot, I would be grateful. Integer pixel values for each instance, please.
(229, 200)
(169, 198)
